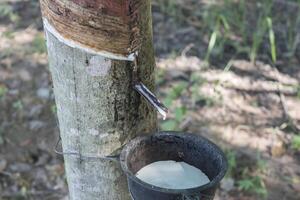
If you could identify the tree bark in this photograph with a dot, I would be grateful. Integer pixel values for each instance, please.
(97, 108)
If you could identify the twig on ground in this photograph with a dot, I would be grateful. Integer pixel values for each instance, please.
(187, 49)
(6, 173)
(287, 117)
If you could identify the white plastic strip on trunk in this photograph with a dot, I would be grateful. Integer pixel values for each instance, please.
(74, 44)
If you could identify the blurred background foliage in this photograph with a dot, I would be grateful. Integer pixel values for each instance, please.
(227, 69)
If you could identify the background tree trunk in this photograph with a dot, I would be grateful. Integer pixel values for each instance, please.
(99, 111)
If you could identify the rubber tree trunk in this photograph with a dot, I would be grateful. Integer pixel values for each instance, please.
(89, 49)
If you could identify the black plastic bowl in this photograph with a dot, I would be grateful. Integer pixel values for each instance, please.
(190, 148)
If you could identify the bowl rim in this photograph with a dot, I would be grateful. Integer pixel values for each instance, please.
(213, 183)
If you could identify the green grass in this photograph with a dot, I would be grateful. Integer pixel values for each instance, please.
(250, 180)
(53, 109)
(211, 44)
(197, 97)
(188, 89)
(253, 184)
(232, 163)
(179, 112)
(231, 21)
(298, 91)
(261, 164)
(172, 124)
(1, 135)
(183, 90)
(159, 76)
(175, 92)
(18, 105)
(248, 177)
(6, 11)
(8, 34)
(246, 28)
(296, 142)
(3, 91)
(169, 125)
(38, 44)
(272, 39)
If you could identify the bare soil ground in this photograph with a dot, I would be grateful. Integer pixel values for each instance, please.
(251, 110)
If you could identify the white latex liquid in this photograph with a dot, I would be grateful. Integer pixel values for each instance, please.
(172, 175)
